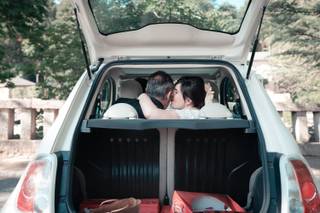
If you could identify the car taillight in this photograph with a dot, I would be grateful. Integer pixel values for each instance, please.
(36, 189)
(308, 191)
(299, 192)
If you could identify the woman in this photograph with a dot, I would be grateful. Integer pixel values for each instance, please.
(186, 100)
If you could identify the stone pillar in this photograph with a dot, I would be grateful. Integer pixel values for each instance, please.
(316, 124)
(6, 124)
(281, 115)
(49, 115)
(28, 124)
(300, 126)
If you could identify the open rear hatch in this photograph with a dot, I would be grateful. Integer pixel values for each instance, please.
(144, 29)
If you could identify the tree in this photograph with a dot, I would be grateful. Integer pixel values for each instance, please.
(21, 25)
(62, 62)
(296, 46)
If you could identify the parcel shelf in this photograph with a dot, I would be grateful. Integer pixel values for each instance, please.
(140, 124)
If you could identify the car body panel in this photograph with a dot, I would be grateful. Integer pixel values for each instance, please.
(277, 136)
(59, 137)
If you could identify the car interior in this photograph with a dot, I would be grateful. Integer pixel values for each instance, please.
(127, 85)
(118, 155)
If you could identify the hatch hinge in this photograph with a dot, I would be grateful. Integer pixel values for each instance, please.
(95, 67)
(255, 44)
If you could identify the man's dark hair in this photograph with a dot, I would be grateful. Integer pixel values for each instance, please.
(193, 88)
(142, 82)
(159, 84)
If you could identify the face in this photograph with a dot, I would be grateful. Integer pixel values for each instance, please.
(177, 101)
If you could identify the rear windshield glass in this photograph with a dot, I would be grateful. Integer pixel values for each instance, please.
(114, 16)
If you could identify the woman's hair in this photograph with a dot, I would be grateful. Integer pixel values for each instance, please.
(193, 88)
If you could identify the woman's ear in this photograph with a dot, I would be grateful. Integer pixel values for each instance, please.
(188, 102)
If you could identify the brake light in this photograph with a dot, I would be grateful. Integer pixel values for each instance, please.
(36, 189)
(309, 194)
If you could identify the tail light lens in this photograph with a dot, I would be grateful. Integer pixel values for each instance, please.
(299, 192)
(37, 189)
(308, 191)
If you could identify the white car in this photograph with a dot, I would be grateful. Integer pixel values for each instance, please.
(250, 156)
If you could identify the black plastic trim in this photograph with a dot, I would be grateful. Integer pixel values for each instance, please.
(140, 124)
(63, 180)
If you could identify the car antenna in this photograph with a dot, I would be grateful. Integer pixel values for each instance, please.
(82, 44)
(255, 45)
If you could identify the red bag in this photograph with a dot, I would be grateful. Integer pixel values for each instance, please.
(149, 206)
(188, 202)
(128, 205)
(146, 205)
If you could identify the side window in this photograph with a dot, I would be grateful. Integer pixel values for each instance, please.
(104, 98)
(230, 97)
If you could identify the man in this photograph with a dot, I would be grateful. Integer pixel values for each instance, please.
(187, 100)
(159, 88)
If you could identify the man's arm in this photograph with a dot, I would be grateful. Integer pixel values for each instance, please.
(151, 111)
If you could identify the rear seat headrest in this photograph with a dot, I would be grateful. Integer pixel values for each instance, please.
(215, 110)
(120, 111)
(130, 89)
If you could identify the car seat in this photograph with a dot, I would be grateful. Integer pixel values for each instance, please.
(129, 89)
(215, 110)
(121, 111)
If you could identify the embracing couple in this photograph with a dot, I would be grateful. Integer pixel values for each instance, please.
(164, 99)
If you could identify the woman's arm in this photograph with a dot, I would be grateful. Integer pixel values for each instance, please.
(151, 111)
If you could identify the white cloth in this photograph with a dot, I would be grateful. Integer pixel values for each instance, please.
(188, 113)
(215, 110)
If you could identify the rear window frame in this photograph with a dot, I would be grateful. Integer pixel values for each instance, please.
(150, 24)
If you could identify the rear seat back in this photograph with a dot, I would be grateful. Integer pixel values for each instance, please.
(120, 163)
(217, 161)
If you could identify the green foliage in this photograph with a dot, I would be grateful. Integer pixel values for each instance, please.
(122, 15)
(21, 23)
(296, 45)
(62, 61)
(297, 26)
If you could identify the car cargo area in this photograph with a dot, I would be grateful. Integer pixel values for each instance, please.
(152, 163)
